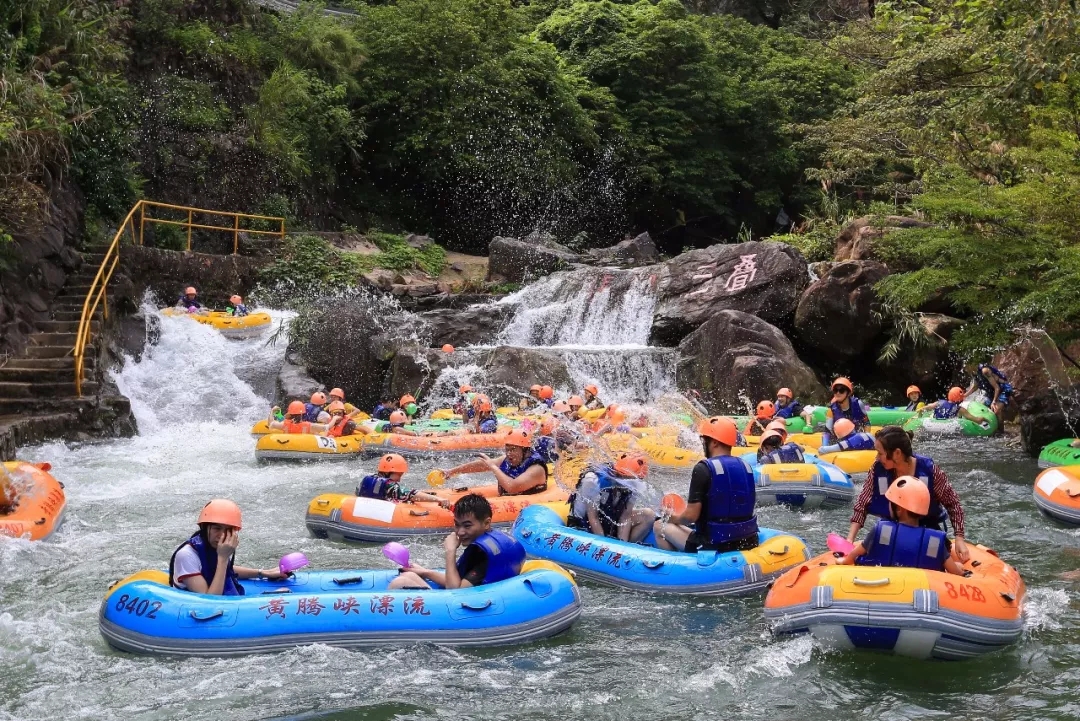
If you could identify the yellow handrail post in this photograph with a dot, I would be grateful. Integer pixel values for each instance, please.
(189, 230)
(142, 222)
(236, 234)
(282, 228)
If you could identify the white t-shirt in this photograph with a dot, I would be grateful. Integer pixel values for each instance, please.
(187, 564)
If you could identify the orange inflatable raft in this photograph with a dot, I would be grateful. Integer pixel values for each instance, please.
(1057, 493)
(341, 517)
(906, 611)
(38, 501)
(378, 443)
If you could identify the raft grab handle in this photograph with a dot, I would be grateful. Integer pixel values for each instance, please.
(473, 606)
(867, 582)
(780, 553)
(216, 614)
(347, 581)
(652, 564)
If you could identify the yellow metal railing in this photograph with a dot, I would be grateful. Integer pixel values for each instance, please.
(95, 296)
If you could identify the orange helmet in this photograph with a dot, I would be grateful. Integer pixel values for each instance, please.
(190, 290)
(766, 409)
(223, 511)
(912, 389)
(615, 414)
(406, 399)
(910, 494)
(547, 425)
(465, 389)
(956, 394)
(719, 429)
(843, 428)
(561, 407)
(631, 465)
(841, 381)
(546, 392)
(393, 463)
(770, 434)
(336, 406)
(483, 404)
(535, 388)
(591, 388)
(447, 348)
(786, 392)
(519, 437)
(235, 299)
(398, 418)
(318, 398)
(575, 401)
(337, 393)
(779, 425)
(296, 408)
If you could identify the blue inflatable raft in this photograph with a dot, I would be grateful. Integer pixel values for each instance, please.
(646, 568)
(352, 609)
(814, 484)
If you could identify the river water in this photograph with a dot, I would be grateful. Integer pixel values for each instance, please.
(131, 502)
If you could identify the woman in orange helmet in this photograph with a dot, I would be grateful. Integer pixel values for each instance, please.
(204, 562)
(533, 399)
(336, 394)
(519, 471)
(592, 397)
(613, 421)
(396, 424)
(845, 404)
(294, 420)
(915, 399)
(763, 415)
(189, 301)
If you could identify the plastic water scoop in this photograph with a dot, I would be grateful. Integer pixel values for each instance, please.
(839, 544)
(674, 502)
(292, 562)
(436, 478)
(397, 553)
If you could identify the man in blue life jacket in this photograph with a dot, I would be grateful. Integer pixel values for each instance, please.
(720, 504)
(787, 406)
(772, 448)
(951, 408)
(903, 541)
(997, 388)
(603, 502)
(315, 409)
(385, 484)
(846, 438)
(236, 307)
(490, 555)
(204, 562)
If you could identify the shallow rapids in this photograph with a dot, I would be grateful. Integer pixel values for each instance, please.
(131, 502)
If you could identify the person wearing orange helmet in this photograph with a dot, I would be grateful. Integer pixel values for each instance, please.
(396, 424)
(336, 394)
(383, 410)
(902, 540)
(773, 449)
(533, 399)
(189, 301)
(915, 399)
(763, 414)
(613, 421)
(787, 406)
(545, 445)
(603, 502)
(951, 407)
(591, 395)
(294, 420)
(204, 562)
(340, 424)
(483, 416)
(576, 403)
(895, 458)
(846, 438)
(845, 404)
(519, 471)
(720, 504)
(385, 484)
(236, 307)
(315, 408)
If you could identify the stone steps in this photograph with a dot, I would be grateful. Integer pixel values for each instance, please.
(12, 390)
(36, 406)
(45, 364)
(68, 326)
(20, 374)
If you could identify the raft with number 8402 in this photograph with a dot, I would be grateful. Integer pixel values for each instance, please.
(350, 609)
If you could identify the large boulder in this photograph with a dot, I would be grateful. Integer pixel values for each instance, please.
(763, 279)
(628, 253)
(928, 363)
(516, 260)
(509, 368)
(474, 325)
(835, 315)
(1045, 396)
(856, 239)
(735, 356)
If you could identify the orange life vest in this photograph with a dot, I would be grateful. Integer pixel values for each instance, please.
(292, 426)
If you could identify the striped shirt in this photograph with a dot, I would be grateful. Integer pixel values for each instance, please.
(942, 492)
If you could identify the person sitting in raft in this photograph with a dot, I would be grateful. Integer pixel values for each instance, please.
(774, 450)
(847, 439)
(408, 404)
(385, 484)
(293, 421)
(592, 397)
(996, 386)
(903, 541)
(547, 397)
(603, 502)
(895, 459)
(533, 399)
(490, 554)
(613, 421)
(915, 399)
(484, 419)
(786, 404)
(544, 444)
(236, 307)
(721, 499)
(189, 301)
(519, 471)
(575, 403)
(950, 407)
(314, 411)
(204, 562)
(9, 493)
(845, 405)
(384, 409)
(763, 414)
(463, 405)
(340, 424)
(396, 424)
(336, 394)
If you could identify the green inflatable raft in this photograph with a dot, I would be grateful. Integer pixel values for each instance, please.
(879, 415)
(957, 426)
(1059, 453)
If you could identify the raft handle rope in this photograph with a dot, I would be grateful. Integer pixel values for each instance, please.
(216, 614)
(866, 582)
(1008, 597)
(275, 591)
(347, 581)
(418, 513)
(40, 522)
(783, 552)
(476, 606)
(652, 564)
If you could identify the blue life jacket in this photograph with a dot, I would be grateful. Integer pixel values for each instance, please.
(489, 425)
(731, 501)
(311, 412)
(855, 413)
(188, 303)
(209, 559)
(514, 471)
(548, 402)
(924, 471)
(505, 556)
(787, 453)
(374, 486)
(545, 449)
(897, 544)
(857, 442)
(240, 310)
(946, 410)
(382, 412)
(984, 383)
(791, 410)
(740, 440)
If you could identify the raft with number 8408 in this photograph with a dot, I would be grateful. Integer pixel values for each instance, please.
(350, 609)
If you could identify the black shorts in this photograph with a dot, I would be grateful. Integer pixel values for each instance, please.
(696, 542)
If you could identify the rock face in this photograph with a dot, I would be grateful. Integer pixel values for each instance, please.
(835, 314)
(167, 272)
(735, 356)
(763, 279)
(628, 253)
(514, 260)
(475, 325)
(856, 240)
(508, 366)
(930, 365)
(293, 381)
(1044, 395)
